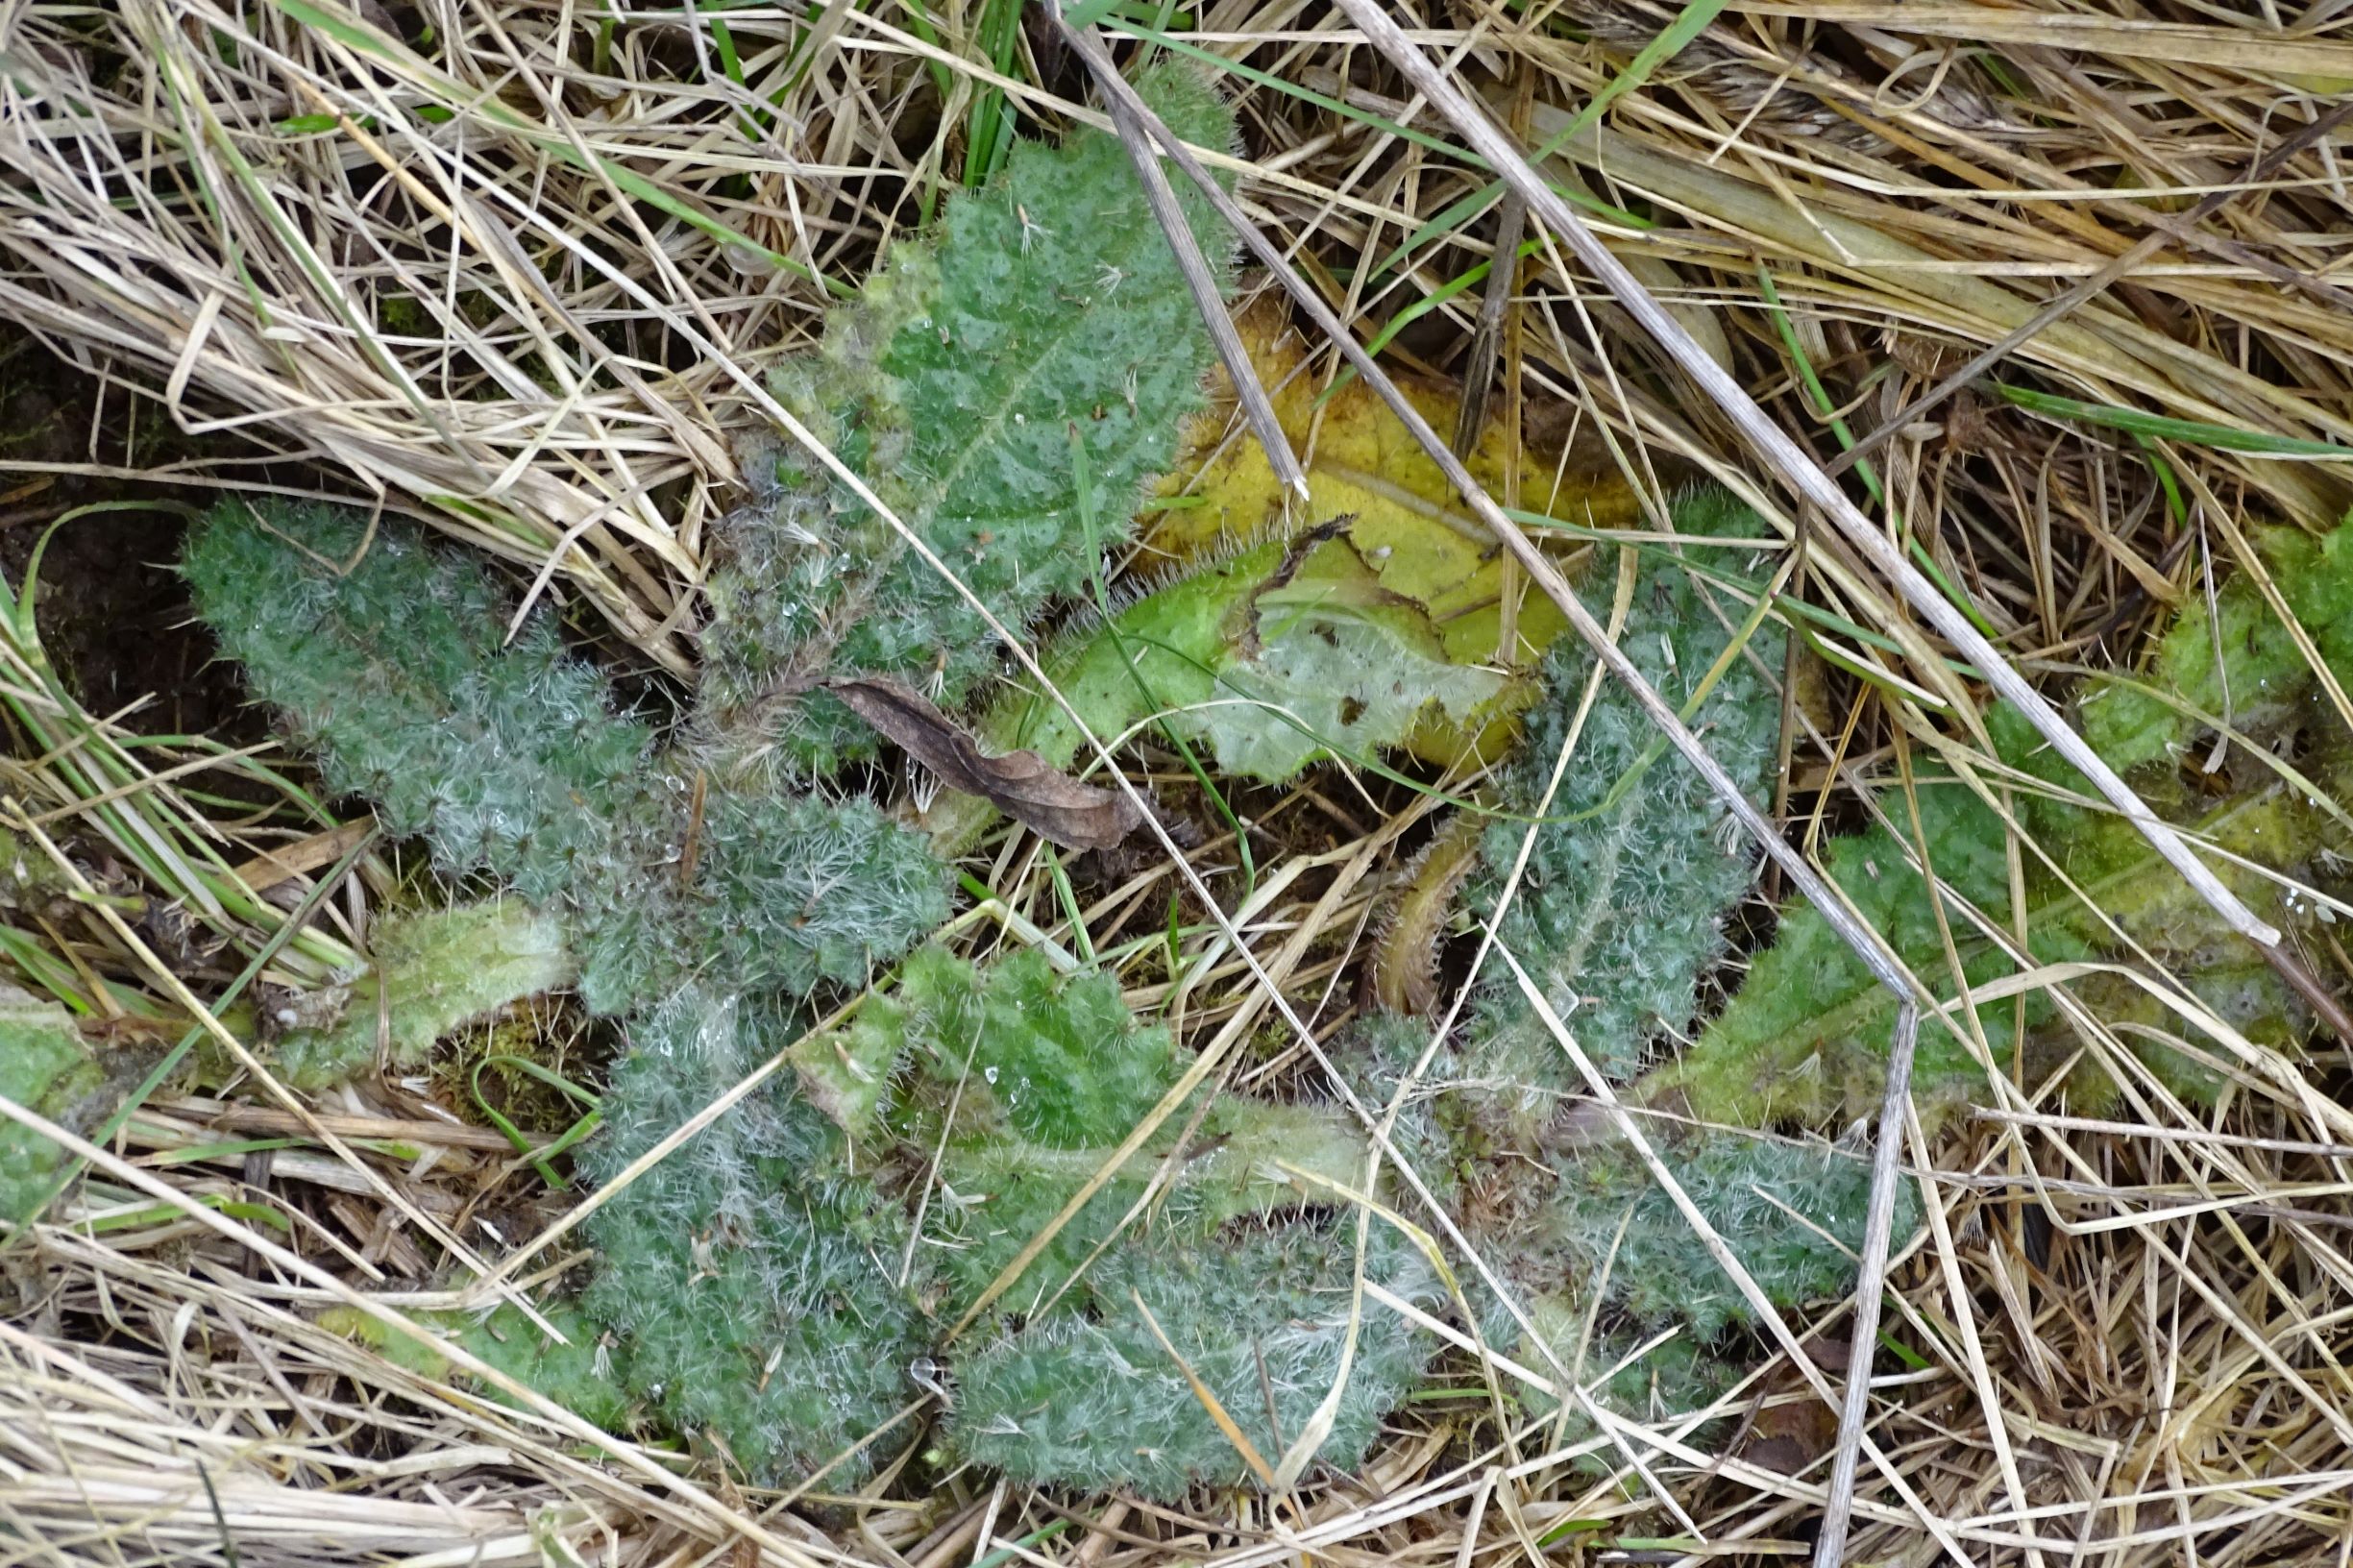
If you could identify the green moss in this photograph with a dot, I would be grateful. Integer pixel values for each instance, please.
(2236, 659)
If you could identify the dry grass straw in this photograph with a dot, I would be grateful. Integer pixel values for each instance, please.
(517, 281)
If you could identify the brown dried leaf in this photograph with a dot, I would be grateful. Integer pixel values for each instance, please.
(1020, 784)
(1829, 1354)
(1403, 974)
(1788, 1429)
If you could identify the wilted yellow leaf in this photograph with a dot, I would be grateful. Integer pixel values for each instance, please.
(1362, 461)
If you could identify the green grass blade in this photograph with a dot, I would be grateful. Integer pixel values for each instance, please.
(2194, 432)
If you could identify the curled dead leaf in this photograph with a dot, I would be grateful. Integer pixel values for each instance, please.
(1018, 783)
(1403, 974)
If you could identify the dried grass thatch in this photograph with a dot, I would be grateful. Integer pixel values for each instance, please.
(521, 276)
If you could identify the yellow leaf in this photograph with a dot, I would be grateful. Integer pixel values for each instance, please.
(1361, 460)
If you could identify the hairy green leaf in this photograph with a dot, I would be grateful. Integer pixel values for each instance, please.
(431, 972)
(46, 1068)
(1620, 907)
(1287, 654)
(509, 759)
(1048, 313)
(1806, 1039)
(752, 1276)
(1098, 1401)
(581, 1375)
(2234, 660)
